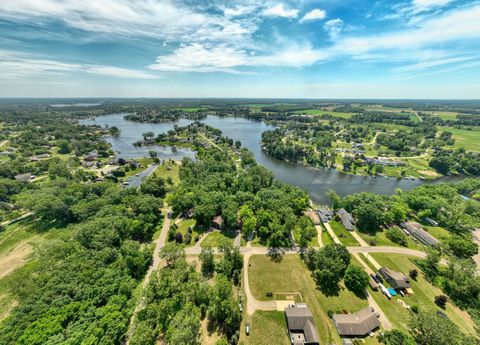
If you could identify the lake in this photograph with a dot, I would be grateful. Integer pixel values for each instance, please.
(316, 181)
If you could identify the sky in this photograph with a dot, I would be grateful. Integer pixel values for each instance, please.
(412, 49)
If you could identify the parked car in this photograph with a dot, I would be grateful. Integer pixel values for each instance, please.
(247, 328)
(379, 277)
(375, 279)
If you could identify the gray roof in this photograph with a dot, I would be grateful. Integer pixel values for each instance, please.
(356, 324)
(417, 231)
(300, 319)
(396, 279)
(325, 214)
(346, 219)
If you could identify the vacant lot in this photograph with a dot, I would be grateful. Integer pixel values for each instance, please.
(215, 238)
(290, 275)
(168, 169)
(424, 294)
(267, 327)
(470, 140)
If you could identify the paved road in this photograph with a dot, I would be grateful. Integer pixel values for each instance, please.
(136, 181)
(159, 244)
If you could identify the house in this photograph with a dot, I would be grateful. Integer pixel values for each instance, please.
(356, 324)
(24, 177)
(313, 216)
(88, 164)
(92, 156)
(397, 280)
(346, 219)
(39, 157)
(301, 326)
(416, 230)
(325, 214)
(217, 222)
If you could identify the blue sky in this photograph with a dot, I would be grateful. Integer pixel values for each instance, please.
(250, 48)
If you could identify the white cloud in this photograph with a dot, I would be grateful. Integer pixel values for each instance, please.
(280, 11)
(425, 5)
(158, 19)
(15, 65)
(199, 58)
(334, 27)
(431, 63)
(316, 14)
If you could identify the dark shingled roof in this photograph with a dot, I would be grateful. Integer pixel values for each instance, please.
(346, 219)
(300, 319)
(396, 279)
(357, 324)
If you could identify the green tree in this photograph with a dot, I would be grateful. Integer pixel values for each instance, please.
(427, 328)
(208, 261)
(396, 337)
(396, 235)
(356, 279)
(184, 329)
(172, 253)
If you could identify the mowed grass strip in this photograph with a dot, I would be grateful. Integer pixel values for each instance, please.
(215, 238)
(291, 275)
(343, 234)
(423, 297)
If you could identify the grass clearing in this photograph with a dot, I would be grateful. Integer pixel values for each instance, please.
(423, 296)
(343, 234)
(168, 169)
(381, 240)
(470, 140)
(215, 238)
(267, 327)
(291, 275)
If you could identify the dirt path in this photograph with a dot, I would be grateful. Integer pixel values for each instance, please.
(319, 235)
(159, 244)
(371, 301)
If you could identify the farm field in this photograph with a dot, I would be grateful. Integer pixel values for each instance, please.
(266, 275)
(423, 296)
(323, 112)
(470, 140)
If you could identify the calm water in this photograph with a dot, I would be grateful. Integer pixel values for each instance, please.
(314, 180)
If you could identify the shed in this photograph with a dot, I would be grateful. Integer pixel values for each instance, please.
(396, 280)
(416, 230)
(356, 324)
(301, 326)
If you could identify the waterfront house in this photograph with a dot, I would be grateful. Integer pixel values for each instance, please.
(346, 219)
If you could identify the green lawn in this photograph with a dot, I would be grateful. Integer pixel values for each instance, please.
(267, 327)
(382, 240)
(470, 140)
(326, 239)
(423, 296)
(168, 169)
(312, 243)
(343, 234)
(214, 238)
(291, 276)
(438, 232)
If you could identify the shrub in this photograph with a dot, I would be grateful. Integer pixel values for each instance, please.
(413, 274)
(188, 238)
(396, 235)
(441, 301)
(179, 237)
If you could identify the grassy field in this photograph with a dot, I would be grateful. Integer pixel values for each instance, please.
(323, 112)
(343, 234)
(423, 296)
(267, 327)
(291, 276)
(470, 140)
(169, 169)
(215, 238)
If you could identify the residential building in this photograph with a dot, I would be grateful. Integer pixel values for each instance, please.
(416, 230)
(301, 326)
(397, 280)
(346, 219)
(356, 324)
